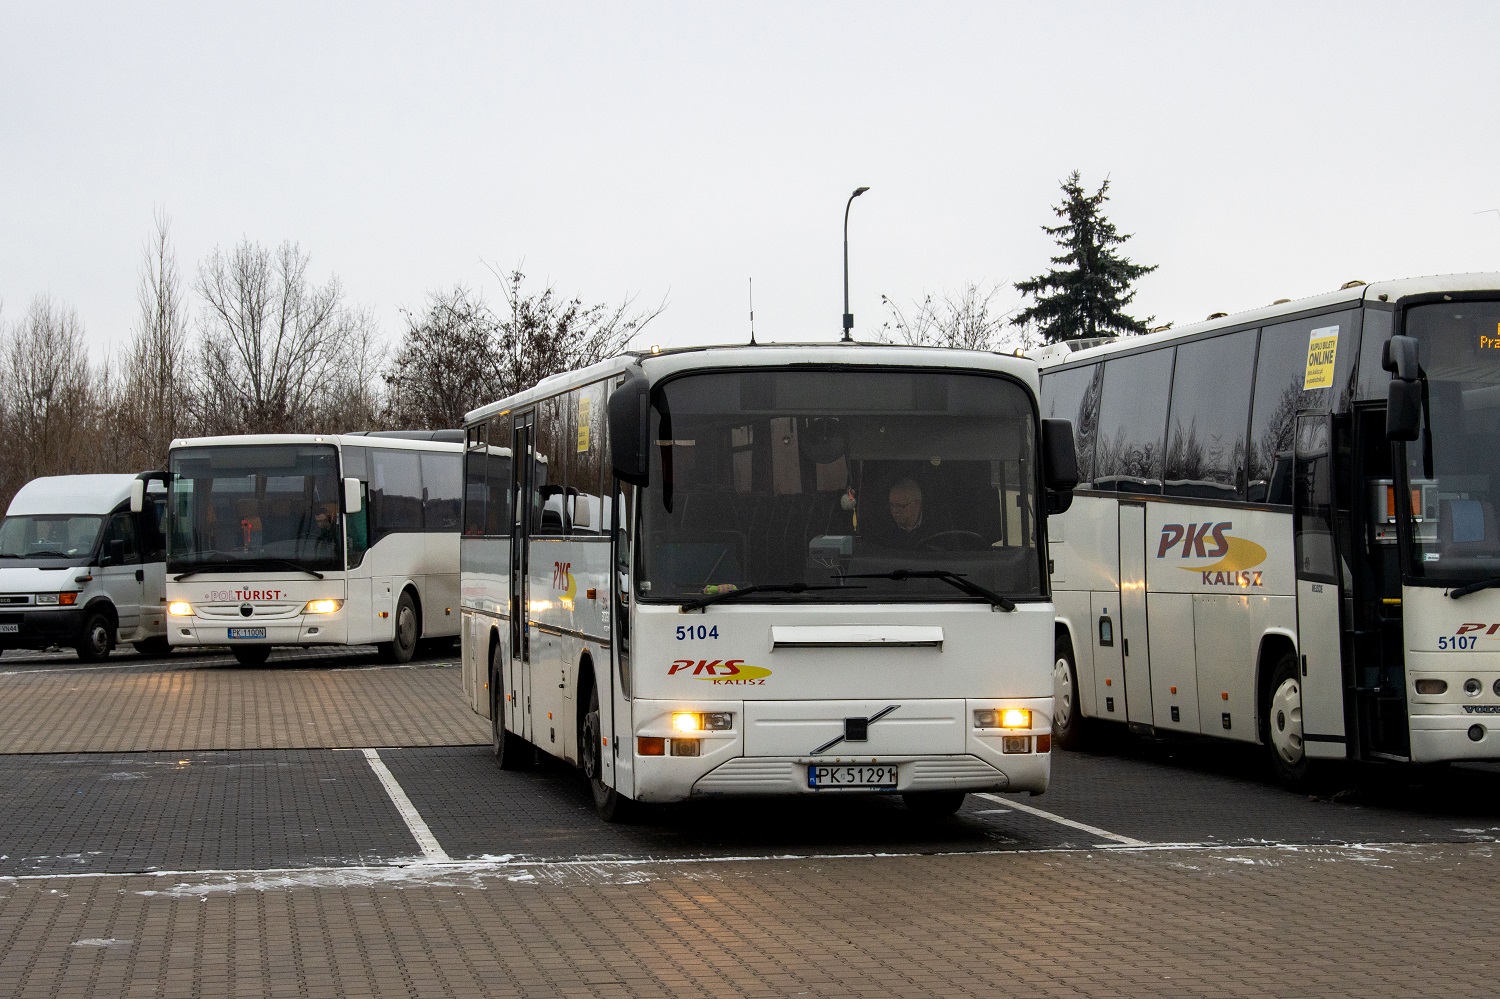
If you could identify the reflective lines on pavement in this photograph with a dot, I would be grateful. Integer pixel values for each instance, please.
(415, 824)
(1050, 817)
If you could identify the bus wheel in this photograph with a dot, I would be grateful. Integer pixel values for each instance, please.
(1281, 726)
(611, 805)
(405, 645)
(98, 638)
(1069, 727)
(251, 655)
(933, 804)
(510, 750)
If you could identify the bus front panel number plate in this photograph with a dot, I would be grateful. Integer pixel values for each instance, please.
(851, 776)
(247, 633)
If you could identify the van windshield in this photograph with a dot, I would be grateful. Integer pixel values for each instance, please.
(249, 504)
(49, 536)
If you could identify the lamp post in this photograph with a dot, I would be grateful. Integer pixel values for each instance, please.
(848, 316)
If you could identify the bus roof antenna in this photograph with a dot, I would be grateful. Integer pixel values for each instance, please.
(752, 312)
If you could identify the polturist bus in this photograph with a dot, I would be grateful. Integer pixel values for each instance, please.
(314, 539)
(1285, 531)
(767, 570)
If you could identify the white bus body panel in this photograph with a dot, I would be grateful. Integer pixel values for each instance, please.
(1455, 641)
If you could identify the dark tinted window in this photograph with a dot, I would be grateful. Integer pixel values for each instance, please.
(395, 493)
(1133, 422)
(1210, 413)
(475, 492)
(1373, 379)
(548, 502)
(1074, 395)
(585, 460)
(122, 529)
(497, 518)
(442, 488)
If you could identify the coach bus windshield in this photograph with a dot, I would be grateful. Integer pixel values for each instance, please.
(255, 506)
(779, 478)
(1457, 538)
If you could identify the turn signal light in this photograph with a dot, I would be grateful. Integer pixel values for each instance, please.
(650, 745)
(1015, 718)
(180, 608)
(702, 721)
(325, 606)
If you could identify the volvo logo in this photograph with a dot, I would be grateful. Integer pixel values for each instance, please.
(855, 729)
(246, 610)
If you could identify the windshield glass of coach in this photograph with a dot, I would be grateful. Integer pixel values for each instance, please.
(240, 504)
(774, 477)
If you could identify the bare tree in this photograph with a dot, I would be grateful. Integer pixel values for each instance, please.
(272, 342)
(152, 402)
(448, 362)
(970, 319)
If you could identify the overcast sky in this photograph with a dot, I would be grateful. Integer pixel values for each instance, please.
(671, 151)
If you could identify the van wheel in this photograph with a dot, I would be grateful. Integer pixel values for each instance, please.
(510, 750)
(98, 639)
(407, 632)
(252, 655)
(933, 804)
(609, 804)
(1069, 727)
(1281, 726)
(154, 647)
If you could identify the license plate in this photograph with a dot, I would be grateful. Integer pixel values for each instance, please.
(10, 629)
(247, 633)
(851, 776)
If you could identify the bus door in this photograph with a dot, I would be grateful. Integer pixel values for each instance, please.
(1320, 587)
(523, 435)
(1134, 639)
(1376, 712)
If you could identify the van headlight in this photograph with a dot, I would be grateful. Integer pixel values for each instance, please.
(46, 598)
(327, 605)
(65, 599)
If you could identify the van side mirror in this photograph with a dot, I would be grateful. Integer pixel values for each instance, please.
(1399, 355)
(630, 429)
(353, 502)
(1403, 410)
(137, 496)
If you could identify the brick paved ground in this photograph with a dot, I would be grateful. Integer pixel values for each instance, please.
(1256, 921)
(174, 708)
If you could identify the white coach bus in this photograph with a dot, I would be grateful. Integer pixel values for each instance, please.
(1286, 529)
(767, 570)
(305, 540)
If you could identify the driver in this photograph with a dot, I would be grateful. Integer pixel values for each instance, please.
(906, 509)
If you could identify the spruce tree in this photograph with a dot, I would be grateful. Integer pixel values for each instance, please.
(1085, 294)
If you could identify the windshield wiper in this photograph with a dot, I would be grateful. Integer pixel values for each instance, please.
(951, 578)
(247, 563)
(698, 603)
(1474, 587)
(44, 553)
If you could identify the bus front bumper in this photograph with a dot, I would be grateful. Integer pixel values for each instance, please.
(304, 629)
(1464, 735)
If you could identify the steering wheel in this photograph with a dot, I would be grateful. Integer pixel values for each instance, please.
(952, 536)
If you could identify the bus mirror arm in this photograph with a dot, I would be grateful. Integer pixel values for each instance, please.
(630, 428)
(352, 498)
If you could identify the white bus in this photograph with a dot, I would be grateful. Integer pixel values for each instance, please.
(766, 570)
(306, 540)
(1286, 527)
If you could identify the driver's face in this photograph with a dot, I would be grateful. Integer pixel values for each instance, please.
(906, 508)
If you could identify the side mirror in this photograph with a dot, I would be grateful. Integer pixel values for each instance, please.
(115, 552)
(1403, 409)
(1399, 356)
(353, 502)
(630, 429)
(137, 496)
(1059, 456)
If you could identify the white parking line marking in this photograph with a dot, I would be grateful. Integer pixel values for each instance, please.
(1050, 817)
(431, 850)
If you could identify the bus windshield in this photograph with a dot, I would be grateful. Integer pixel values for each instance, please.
(769, 478)
(255, 504)
(1458, 537)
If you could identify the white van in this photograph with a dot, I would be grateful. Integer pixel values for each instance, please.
(81, 565)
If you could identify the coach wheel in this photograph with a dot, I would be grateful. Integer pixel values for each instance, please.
(611, 805)
(511, 751)
(405, 644)
(98, 638)
(933, 804)
(1069, 727)
(1281, 727)
(251, 655)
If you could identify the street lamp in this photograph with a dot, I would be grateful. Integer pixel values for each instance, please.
(848, 316)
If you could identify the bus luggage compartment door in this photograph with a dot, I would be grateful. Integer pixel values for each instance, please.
(1133, 633)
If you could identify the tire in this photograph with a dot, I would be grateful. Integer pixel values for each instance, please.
(408, 632)
(98, 637)
(1070, 729)
(251, 655)
(1281, 726)
(153, 647)
(933, 804)
(609, 804)
(511, 751)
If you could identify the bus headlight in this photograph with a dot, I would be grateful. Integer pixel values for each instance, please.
(702, 721)
(325, 606)
(180, 608)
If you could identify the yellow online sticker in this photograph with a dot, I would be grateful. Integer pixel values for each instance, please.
(585, 412)
(1322, 346)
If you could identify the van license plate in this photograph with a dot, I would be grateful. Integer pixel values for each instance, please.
(851, 776)
(247, 633)
(10, 629)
